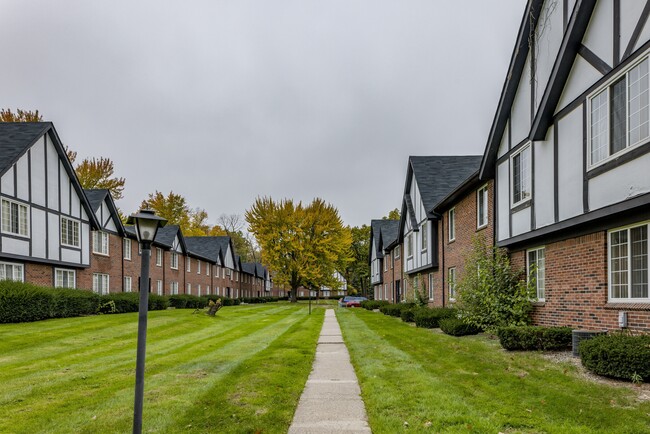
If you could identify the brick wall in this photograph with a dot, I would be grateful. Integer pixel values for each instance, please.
(111, 265)
(195, 278)
(576, 287)
(39, 274)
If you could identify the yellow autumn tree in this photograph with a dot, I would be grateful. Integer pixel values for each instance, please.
(302, 245)
(98, 173)
(6, 115)
(174, 207)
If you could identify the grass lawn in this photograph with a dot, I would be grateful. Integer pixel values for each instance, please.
(242, 371)
(438, 383)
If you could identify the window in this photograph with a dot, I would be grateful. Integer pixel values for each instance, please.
(159, 257)
(628, 264)
(207, 269)
(10, 271)
(15, 218)
(198, 266)
(127, 249)
(396, 252)
(385, 264)
(207, 290)
(451, 281)
(482, 207)
(127, 284)
(159, 287)
(69, 232)
(520, 176)
(174, 261)
(536, 268)
(173, 288)
(430, 286)
(64, 278)
(188, 265)
(100, 242)
(100, 283)
(619, 114)
(451, 216)
(424, 238)
(198, 290)
(409, 246)
(189, 288)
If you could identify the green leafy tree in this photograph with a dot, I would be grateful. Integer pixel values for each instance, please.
(393, 215)
(6, 115)
(302, 245)
(490, 294)
(357, 273)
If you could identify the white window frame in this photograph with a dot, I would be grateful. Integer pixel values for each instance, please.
(23, 225)
(482, 206)
(396, 253)
(207, 268)
(431, 279)
(385, 264)
(198, 266)
(451, 283)
(100, 278)
(159, 287)
(629, 299)
(188, 290)
(451, 224)
(173, 261)
(606, 87)
(76, 227)
(529, 272)
(198, 290)
(159, 257)
(128, 284)
(101, 243)
(126, 246)
(188, 264)
(16, 276)
(69, 273)
(424, 232)
(409, 245)
(526, 168)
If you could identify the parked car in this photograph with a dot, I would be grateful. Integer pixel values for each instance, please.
(351, 301)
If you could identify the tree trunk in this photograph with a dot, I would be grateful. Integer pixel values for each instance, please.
(294, 294)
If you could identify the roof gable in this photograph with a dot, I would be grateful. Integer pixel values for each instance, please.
(96, 197)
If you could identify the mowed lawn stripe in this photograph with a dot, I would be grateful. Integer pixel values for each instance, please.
(470, 384)
(195, 352)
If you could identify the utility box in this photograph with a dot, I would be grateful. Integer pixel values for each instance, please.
(622, 319)
(578, 336)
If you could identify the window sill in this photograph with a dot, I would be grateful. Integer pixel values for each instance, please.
(538, 303)
(616, 305)
(101, 254)
(127, 259)
(15, 235)
(480, 228)
(521, 205)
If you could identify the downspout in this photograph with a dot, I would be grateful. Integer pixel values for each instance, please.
(442, 258)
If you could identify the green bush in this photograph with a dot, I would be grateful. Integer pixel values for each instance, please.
(373, 304)
(430, 318)
(408, 315)
(457, 327)
(124, 302)
(23, 302)
(157, 302)
(617, 356)
(187, 301)
(527, 338)
(395, 309)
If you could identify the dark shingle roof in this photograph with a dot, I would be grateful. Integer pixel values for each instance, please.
(248, 267)
(385, 231)
(164, 237)
(96, 197)
(16, 138)
(261, 270)
(203, 246)
(389, 232)
(437, 176)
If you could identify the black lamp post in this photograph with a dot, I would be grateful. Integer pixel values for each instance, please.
(146, 225)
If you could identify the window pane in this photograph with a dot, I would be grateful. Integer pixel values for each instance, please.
(599, 127)
(618, 116)
(14, 219)
(516, 178)
(638, 105)
(618, 264)
(639, 240)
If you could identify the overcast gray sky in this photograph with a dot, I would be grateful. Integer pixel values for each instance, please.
(222, 101)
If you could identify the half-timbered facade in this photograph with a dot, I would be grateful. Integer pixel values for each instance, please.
(570, 151)
(46, 220)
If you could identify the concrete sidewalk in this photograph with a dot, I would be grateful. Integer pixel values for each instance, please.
(331, 401)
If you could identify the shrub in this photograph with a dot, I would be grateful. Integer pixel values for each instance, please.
(430, 318)
(457, 327)
(187, 301)
(158, 302)
(23, 302)
(408, 315)
(124, 301)
(373, 304)
(617, 356)
(528, 338)
(491, 294)
(395, 309)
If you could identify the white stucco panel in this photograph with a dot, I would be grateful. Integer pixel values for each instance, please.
(52, 177)
(582, 76)
(15, 246)
(599, 35)
(544, 183)
(521, 222)
(520, 117)
(548, 36)
(644, 36)
(38, 172)
(7, 182)
(85, 243)
(39, 247)
(502, 201)
(629, 18)
(71, 256)
(22, 178)
(53, 237)
(570, 162)
(504, 146)
(624, 182)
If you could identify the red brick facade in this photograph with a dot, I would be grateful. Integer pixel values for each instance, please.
(110, 265)
(391, 276)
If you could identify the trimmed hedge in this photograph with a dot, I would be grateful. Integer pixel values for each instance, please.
(430, 318)
(187, 301)
(408, 315)
(617, 356)
(373, 304)
(23, 302)
(528, 338)
(456, 327)
(126, 302)
(395, 309)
